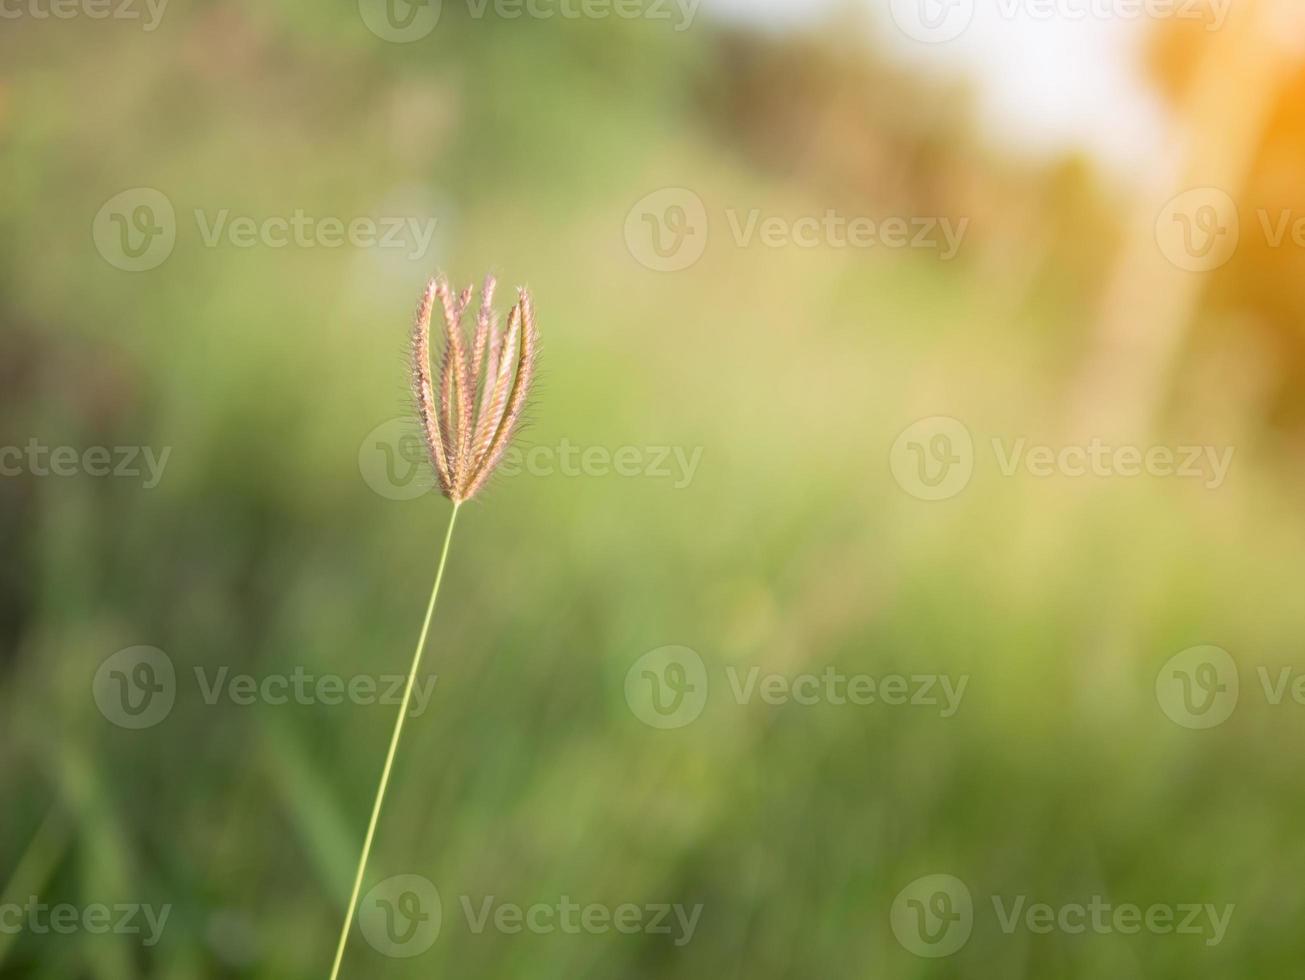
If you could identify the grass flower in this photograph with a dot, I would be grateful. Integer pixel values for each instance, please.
(484, 384)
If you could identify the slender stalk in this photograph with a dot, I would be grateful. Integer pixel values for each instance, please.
(394, 745)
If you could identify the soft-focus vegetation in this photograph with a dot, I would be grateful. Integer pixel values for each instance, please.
(792, 548)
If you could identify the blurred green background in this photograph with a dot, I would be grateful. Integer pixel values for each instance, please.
(277, 541)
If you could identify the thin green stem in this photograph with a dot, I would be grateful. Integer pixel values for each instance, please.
(394, 745)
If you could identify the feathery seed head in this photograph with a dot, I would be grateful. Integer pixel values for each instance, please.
(482, 389)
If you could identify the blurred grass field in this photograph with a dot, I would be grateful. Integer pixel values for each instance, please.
(791, 548)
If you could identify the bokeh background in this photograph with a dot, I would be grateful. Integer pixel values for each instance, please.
(1121, 182)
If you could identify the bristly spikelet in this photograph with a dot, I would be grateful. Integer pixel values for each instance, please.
(424, 392)
(468, 423)
(482, 392)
